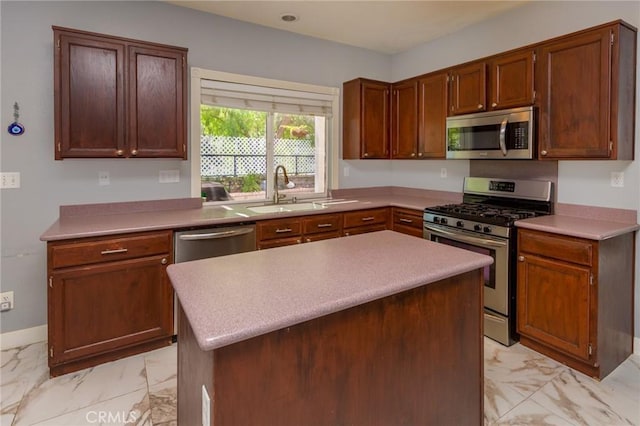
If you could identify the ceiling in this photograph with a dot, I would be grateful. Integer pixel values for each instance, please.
(384, 26)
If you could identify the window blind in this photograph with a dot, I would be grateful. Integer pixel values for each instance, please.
(261, 98)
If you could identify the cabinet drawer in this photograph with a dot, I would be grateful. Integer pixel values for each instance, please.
(281, 228)
(279, 242)
(569, 249)
(364, 229)
(407, 218)
(322, 236)
(366, 217)
(323, 223)
(95, 250)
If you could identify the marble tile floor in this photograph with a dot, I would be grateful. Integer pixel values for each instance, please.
(522, 387)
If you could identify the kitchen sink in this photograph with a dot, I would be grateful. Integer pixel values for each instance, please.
(279, 208)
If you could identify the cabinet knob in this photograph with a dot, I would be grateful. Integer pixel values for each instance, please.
(413, 154)
(494, 104)
(308, 240)
(299, 241)
(366, 154)
(134, 152)
(420, 154)
(480, 106)
(520, 258)
(164, 261)
(543, 152)
(119, 153)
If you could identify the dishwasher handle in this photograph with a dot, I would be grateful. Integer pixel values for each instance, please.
(216, 235)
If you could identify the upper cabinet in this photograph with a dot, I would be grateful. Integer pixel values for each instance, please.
(117, 98)
(587, 94)
(508, 78)
(468, 88)
(366, 116)
(582, 85)
(404, 119)
(432, 115)
(511, 79)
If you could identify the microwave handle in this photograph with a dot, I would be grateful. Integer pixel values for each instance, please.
(503, 131)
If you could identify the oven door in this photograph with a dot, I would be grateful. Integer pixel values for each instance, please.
(496, 275)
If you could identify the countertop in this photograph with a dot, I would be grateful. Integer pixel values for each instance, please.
(592, 229)
(99, 220)
(226, 301)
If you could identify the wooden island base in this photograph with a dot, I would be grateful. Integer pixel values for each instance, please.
(413, 358)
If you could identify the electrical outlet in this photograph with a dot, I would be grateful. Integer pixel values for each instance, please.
(10, 180)
(617, 179)
(345, 171)
(6, 301)
(103, 179)
(443, 172)
(169, 176)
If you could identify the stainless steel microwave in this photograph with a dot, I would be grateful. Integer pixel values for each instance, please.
(505, 134)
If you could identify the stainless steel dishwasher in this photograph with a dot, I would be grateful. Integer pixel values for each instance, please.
(202, 243)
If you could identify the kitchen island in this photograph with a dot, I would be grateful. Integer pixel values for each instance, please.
(379, 328)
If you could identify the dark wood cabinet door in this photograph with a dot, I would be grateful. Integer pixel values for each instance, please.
(89, 96)
(375, 120)
(404, 114)
(157, 102)
(554, 300)
(105, 307)
(468, 88)
(575, 81)
(512, 80)
(432, 115)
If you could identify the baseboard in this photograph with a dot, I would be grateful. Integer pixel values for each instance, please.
(636, 345)
(26, 336)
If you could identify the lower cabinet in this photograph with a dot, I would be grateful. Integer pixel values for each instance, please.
(108, 297)
(408, 221)
(298, 230)
(575, 299)
(361, 221)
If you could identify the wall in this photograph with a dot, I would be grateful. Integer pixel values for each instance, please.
(27, 77)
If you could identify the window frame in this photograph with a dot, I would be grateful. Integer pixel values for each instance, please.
(331, 147)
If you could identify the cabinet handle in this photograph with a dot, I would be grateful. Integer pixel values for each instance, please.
(368, 218)
(480, 106)
(281, 231)
(115, 251)
(119, 153)
(134, 152)
(413, 154)
(299, 241)
(308, 240)
(543, 152)
(346, 234)
(494, 104)
(420, 154)
(164, 261)
(325, 225)
(405, 220)
(366, 154)
(520, 258)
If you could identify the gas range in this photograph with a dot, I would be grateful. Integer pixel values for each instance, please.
(491, 206)
(484, 223)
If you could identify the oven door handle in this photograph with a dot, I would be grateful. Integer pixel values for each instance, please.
(503, 132)
(465, 238)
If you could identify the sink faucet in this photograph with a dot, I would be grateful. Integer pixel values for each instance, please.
(276, 195)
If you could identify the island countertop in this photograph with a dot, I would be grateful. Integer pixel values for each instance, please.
(233, 298)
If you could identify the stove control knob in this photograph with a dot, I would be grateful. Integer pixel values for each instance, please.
(443, 221)
(436, 219)
(460, 224)
(487, 229)
(477, 228)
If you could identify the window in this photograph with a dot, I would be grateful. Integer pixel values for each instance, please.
(245, 127)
